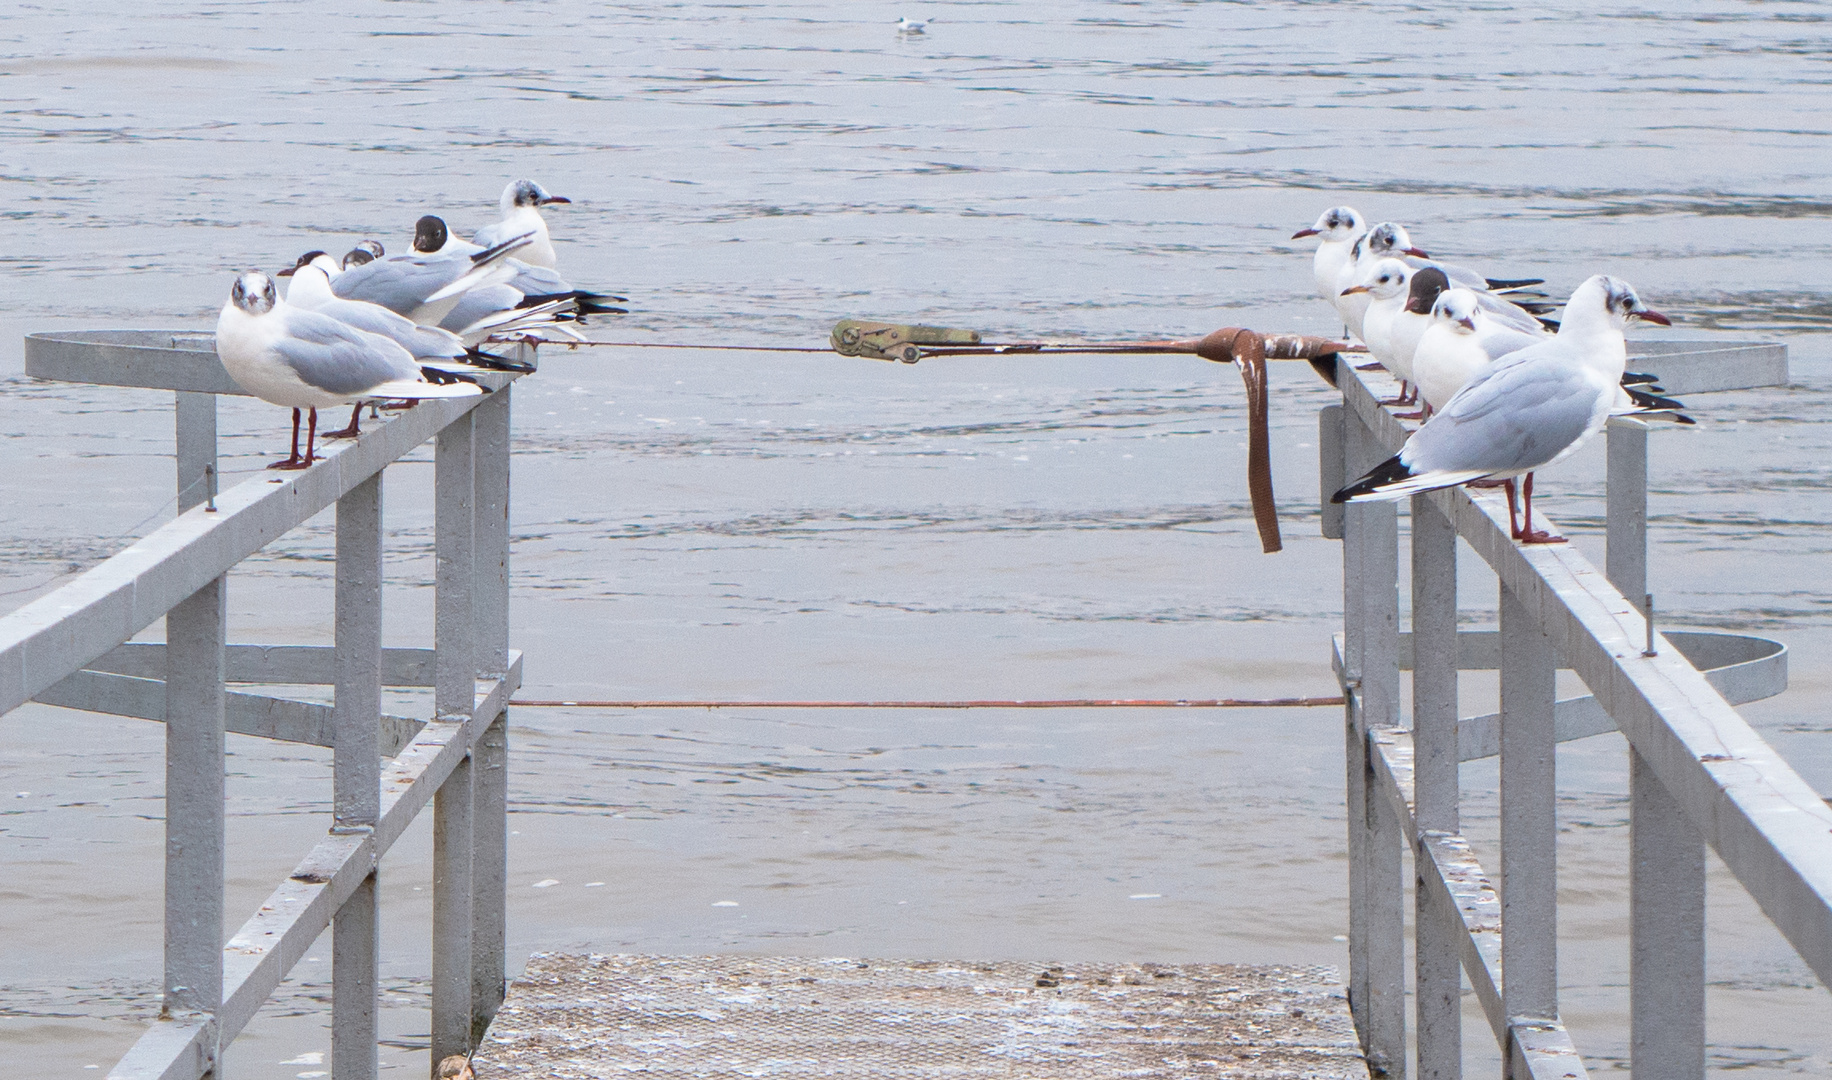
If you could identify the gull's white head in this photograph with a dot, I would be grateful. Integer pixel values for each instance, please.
(1335, 225)
(254, 293)
(1456, 308)
(1604, 301)
(1388, 239)
(527, 193)
(1388, 278)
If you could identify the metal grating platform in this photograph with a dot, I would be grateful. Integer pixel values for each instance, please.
(710, 1016)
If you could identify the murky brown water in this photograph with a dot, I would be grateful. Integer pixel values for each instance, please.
(703, 524)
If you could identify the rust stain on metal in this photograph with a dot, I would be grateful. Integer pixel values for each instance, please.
(593, 1016)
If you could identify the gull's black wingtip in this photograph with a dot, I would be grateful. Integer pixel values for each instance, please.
(1390, 471)
(1503, 284)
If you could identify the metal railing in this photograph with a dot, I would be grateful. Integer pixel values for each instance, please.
(70, 648)
(1698, 773)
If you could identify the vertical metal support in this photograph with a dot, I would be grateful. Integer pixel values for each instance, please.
(490, 870)
(194, 749)
(454, 695)
(356, 753)
(1666, 933)
(1667, 855)
(195, 416)
(1370, 552)
(1330, 473)
(1435, 784)
(1529, 878)
(490, 825)
(1625, 559)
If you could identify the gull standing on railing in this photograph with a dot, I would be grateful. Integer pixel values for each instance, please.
(303, 360)
(1532, 408)
(532, 300)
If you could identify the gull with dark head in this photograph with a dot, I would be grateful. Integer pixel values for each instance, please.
(1531, 408)
(304, 360)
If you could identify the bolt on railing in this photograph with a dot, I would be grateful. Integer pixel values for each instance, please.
(70, 648)
(1698, 773)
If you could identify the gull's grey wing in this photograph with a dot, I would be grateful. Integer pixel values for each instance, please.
(400, 283)
(478, 304)
(1499, 340)
(340, 359)
(493, 234)
(1460, 276)
(537, 280)
(422, 342)
(1512, 418)
(1509, 314)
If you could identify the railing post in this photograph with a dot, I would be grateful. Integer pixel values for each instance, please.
(490, 825)
(356, 753)
(1667, 854)
(1370, 552)
(1437, 968)
(1529, 879)
(454, 694)
(194, 749)
(196, 445)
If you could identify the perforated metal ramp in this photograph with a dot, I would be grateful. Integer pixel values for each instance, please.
(718, 1016)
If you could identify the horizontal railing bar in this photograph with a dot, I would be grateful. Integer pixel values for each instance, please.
(267, 946)
(1742, 667)
(173, 1048)
(281, 719)
(1766, 823)
(65, 630)
(298, 665)
(150, 359)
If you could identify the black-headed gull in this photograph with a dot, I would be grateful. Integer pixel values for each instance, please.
(303, 360)
(907, 25)
(1531, 408)
(1340, 227)
(521, 209)
(533, 300)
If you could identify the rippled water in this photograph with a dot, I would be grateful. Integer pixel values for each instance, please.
(715, 524)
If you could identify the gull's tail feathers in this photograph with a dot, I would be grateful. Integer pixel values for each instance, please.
(1391, 479)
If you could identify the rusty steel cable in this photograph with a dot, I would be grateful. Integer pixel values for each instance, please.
(1231, 344)
(1015, 703)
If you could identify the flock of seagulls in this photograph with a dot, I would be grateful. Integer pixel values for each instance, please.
(1503, 388)
(378, 327)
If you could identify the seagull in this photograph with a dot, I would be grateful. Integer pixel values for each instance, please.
(1532, 408)
(1414, 317)
(365, 251)
(907, 25)
(425, 288)
(1383, 241)
(521, 206)
(1462, 339)
(429, 346)
(304, 360)
(1340, 227)
(1385, 289)
(534, 299)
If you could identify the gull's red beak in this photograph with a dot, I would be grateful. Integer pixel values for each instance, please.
(288, 272)
(553, 199)
(1414, 252)
(1302, 233)
(1353, 289)
(1651, 316)
(1467, 322)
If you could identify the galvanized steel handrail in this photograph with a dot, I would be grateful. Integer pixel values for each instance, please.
(1698, 773)
(70, 648)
